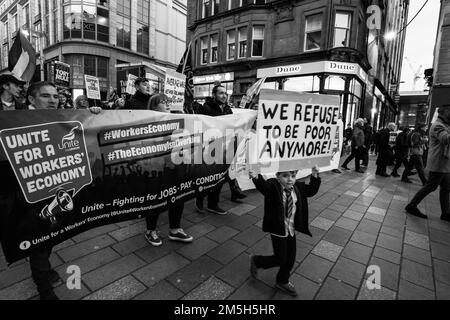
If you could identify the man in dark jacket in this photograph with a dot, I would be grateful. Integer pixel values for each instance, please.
(139, 101)
(401, 151)
(10, 93)
(367, 141)
(417, 145)
(385, 152)
(357, 146)
(438, 166)
(217, 106)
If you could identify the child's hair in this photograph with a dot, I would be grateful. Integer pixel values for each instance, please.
(291, 172)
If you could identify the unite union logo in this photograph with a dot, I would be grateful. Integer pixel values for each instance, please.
(69, 141)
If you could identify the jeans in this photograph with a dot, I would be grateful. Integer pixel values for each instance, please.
(284, 253)
(436, 179)
(356, 154)
(175, 214)
(41, 268)
(365, 156)
(417, 162)
(398, 163)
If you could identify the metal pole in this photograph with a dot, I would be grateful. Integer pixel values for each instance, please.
(41, 56)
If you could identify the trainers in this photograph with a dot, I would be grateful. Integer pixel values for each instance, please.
(153, 238)
(345, 168)
(413, 210)
(253, 267)
(288, 288)
(181, 236)
(199, 206)
(395, 174)
(217, 210)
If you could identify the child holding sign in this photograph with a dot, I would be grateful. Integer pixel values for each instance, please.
(285, 211)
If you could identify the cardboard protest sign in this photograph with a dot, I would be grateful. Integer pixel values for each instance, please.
(92, 87)
(294, 131)
(61, 74)
(174, 87)
(131, 89)
(69, 172)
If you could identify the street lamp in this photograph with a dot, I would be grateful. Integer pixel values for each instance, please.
(388, 36)
(40, 36)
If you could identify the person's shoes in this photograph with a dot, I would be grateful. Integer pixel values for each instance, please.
(336, 171)
(412, 173)
(406, 180)
(253, 267)
(180, 236)
(446, 218)
(288, 288)
(345, 168)
(153, 238)
(235, 199)
(199, 206)
(359, 171)
(395, 174)
(217, 210)
(239, 195)
(55, 279)
(48, 295)
(384, 175)
(413, 210)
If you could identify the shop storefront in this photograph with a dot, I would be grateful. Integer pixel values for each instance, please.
(346, 80)
(204, 84)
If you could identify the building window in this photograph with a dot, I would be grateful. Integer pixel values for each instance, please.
(257, 41)
(233, 4)
(5, 32)
(14, 25)
(26, 15)
(5, 52)
(216, 6)
(231, 44)
(102, 67)
(144, 11)
(124, 7)
(89, 20)
(342, 25)
(124, 32)
(204, 50)
(89, 66)
(313, 32)
(243, 42)
(72, 21)
(143, 35)
(102, 24)
(214, 47)
(206, 8)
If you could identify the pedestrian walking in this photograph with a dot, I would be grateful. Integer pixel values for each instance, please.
(367, 140)
(159, 103)
(285, 212)
(417, 145)
(358, 140)
(438, 166)
(385, 151)
(401, 150)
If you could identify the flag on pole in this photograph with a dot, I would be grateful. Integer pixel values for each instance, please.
(22, 58)
(251, 93)
(185, 67)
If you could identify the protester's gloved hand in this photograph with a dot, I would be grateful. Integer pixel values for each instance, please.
(95, 110)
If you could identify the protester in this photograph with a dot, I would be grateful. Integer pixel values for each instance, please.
(438, 166)
(159, 102)
(119, 104)
(10, 93)
(368, 131)
(285, 211)
(139, 101)
(401, 151)
(357, 146)
(217, 106)
(417, 145)
(112, 97)
(64, 102)
(375, 138)
(385, 152)
(82, 102)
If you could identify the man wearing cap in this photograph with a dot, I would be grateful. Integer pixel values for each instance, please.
(139, 101)
(10, 91)
(438, 165)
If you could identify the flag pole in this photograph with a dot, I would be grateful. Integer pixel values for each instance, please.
(187, 56)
